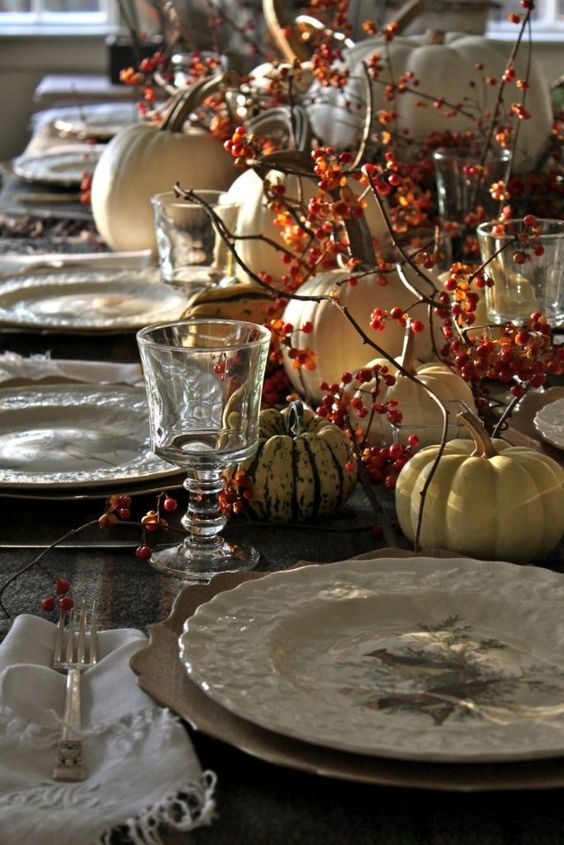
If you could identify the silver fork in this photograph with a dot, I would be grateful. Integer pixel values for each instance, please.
(80, 653)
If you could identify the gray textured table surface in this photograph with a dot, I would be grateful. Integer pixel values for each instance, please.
(258, 802)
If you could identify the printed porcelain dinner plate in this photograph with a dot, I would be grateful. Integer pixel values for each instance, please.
(88, 300)
(450, 660)
(62, 166)
(101, 121)
(75, 435)
(549, 422)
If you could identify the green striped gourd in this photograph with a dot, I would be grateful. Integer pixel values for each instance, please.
(298, 471)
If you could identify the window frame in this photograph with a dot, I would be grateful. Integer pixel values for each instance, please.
(38, 21)
(546, 27)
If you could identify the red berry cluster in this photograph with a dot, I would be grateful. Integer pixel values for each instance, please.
(518, 355)
(64, 602)
(383, 464)
(357, 396)
(118, 509)
(237, 490)
(152, 521)
(276, 388)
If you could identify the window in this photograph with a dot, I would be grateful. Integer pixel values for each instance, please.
(547, 17)
(56, 13)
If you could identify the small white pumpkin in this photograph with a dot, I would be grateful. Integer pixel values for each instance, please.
(421, 415)
(145, 159)
(486, 498)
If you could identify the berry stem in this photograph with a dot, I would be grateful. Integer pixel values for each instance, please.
(38, 559)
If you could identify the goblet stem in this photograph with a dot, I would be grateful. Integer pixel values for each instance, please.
(204, 518)
(204, 552)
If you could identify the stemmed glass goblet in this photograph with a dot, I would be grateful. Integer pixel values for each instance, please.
(204, 380)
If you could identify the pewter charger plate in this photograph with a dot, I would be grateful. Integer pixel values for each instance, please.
(75, 436)
(88, 300)
(426, 659)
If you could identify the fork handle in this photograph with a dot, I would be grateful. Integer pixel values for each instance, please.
(68, 765)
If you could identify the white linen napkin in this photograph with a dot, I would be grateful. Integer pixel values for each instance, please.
(143, 773)
(39, 367)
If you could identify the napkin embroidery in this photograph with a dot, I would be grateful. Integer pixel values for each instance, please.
(143, 773)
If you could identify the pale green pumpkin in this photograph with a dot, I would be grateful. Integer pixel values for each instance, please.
(486, 498)
(303, 468)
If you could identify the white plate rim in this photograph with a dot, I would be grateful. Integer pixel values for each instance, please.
(543, 422)
(134, 399)
(84, 157)
(83, 121)
(106, 279)
(220, 615)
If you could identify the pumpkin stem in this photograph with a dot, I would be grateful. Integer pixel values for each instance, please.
(484, 447)
(434, 36)
(284, 34)
(190, 98)
(295, 424)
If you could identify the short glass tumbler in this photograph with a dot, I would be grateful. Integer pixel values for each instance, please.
(192, 254)
(523, 281)
(204, 382)
(463, 187)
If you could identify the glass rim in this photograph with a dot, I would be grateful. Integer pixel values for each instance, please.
(143, 335)
(460, 152)
(517, 224)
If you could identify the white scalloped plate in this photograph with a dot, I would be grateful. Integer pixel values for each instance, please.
(62, 166)
(549, 422)
(80, 300)
(75, 436)
(451, 660)
(101, 121)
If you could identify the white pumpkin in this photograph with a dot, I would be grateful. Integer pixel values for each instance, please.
(337, 345)
(255, 216)
(445, 67)
(421, 415)
(145, 159)
(485, 499)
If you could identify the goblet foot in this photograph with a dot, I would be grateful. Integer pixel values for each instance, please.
(193, 562)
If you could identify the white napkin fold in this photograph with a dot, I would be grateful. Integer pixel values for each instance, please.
(38, 367)
(144, 775)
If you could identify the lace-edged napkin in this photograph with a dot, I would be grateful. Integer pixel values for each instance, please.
(144, 775)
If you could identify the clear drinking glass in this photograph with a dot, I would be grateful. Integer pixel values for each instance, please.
(204, 380)
(523, 286)
(463, 187)
(192, 254)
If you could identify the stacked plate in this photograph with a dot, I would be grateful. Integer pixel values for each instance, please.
(86, 296)
(75, 441)
(407, 670)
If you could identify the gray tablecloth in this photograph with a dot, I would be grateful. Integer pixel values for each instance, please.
(258, 802)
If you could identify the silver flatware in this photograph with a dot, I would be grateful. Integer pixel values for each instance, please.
(79, 654)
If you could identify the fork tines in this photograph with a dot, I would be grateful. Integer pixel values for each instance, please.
(77, 657)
